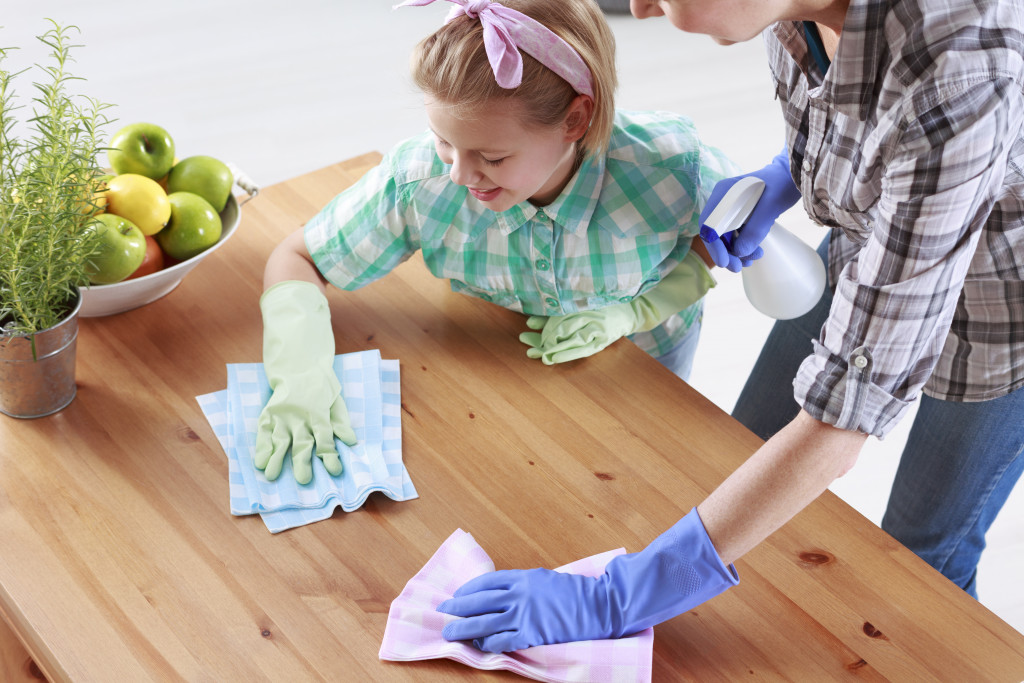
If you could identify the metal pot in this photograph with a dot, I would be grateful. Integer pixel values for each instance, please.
(40, 381)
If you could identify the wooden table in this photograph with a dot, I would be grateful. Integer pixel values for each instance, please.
(121, 562)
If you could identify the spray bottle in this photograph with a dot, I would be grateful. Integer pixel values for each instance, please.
(788, 280)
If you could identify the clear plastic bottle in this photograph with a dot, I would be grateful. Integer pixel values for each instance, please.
(789, 278)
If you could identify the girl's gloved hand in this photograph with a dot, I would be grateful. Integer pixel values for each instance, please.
(578, 335)
(306, 409)
(515, 609)
(564, 338)
(740, 248)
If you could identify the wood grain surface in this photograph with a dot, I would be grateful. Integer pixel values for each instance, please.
(121, 560)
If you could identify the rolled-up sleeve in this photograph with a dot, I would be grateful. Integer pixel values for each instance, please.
(894, 301)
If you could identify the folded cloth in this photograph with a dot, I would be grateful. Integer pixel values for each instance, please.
(371, 388)
(413, 630)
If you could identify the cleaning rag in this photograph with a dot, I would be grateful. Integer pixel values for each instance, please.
(371, 389)
(413, 629)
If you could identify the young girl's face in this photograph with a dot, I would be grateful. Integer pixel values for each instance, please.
(500, 161)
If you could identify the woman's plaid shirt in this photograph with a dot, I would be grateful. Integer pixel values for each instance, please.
(910, 147)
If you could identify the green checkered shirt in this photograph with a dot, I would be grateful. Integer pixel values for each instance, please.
(624, 220)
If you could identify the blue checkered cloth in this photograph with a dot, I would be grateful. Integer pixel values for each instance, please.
(371, 389)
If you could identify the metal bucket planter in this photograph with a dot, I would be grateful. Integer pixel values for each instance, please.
(34, 384)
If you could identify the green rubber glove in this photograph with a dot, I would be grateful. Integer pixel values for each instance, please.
(578, 335)
(306, 409)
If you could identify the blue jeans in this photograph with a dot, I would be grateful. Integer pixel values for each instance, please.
(958, 467)
(680, 358)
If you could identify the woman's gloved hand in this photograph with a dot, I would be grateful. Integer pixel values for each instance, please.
(515, 609)
(577, 335)
(306, 409)
(741, 247)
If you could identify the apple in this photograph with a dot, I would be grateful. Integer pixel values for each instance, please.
(152, 262)
(163, 181)
(100, 185)
(143, 148)
(139, 199)
(94, 190)
(122, 249)
(194, 226)
(205, 176)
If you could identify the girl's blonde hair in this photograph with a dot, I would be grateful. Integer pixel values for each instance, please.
(451, 66)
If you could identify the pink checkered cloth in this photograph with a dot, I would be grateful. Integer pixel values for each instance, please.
(413, 631)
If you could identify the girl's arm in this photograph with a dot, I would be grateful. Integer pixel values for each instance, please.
(291, 261)
(699, 248)
(306, 410)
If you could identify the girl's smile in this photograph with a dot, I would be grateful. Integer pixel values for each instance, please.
(485, 195)
(498, 159)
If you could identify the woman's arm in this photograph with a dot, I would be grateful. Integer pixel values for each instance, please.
(682, 568)
(781, 478)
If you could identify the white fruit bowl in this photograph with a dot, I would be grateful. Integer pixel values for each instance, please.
(99, 300)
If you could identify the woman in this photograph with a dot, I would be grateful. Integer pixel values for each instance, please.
(903, 135)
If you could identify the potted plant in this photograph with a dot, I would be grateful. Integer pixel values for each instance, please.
(48, 182)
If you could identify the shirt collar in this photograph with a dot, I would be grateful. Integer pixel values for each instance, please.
(572, 209)
(850, 83)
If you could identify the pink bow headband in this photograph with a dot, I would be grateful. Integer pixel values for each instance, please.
(506, 30)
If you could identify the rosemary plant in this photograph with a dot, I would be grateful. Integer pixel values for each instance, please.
(47, 182)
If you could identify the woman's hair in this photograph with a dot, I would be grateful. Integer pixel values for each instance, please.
(451, 66)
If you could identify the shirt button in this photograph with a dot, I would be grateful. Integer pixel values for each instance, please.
(542, 264)
(860, 362)
(552, 303)
(807, 166)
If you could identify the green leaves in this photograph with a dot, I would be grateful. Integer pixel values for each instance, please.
(47, 182)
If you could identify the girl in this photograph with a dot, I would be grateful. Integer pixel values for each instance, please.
(530, 191)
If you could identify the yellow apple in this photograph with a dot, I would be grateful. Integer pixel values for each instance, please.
(99, 194)
(139, 199)
(98, 201)
(92, 194)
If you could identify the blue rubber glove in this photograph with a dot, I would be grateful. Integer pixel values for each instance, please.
(515, 609)
(741, 247)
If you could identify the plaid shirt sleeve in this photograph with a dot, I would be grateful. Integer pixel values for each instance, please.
(364, 233)
(666, 180)
(913, 190)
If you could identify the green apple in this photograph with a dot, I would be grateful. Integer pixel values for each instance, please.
(121, 251)
(143, 148)
(194, 226)
(205, 176)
